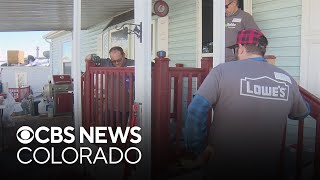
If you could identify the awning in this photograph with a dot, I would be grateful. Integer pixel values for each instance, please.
(53, 15)
(120, 18)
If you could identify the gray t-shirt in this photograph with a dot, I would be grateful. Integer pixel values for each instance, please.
(107, 63)
(235, 23)
(122, 84)
(252, 101)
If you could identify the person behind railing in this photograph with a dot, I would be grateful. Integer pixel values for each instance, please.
(236, 20)
(117, 59)
(252, 101)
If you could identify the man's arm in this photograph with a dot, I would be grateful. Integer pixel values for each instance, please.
(197, 117)
(196, 124)
(300, 108)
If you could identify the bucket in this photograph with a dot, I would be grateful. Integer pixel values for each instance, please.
(42, 107)
(50, 111)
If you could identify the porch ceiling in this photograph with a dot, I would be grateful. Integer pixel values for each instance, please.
(52, 15)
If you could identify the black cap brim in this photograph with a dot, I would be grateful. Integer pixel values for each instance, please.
(232, 46)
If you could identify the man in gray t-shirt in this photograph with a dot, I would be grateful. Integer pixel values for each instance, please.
(236, 20)
(252, 101)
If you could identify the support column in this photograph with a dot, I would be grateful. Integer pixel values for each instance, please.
(218, 32)
(75, 70)
(142, 14)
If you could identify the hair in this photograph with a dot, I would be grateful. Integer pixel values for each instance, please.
(237, 1)
(117, 48)
(260, 48)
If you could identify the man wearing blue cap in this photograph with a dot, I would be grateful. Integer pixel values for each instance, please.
(252, 101)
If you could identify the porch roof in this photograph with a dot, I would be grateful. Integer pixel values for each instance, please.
(53, 15)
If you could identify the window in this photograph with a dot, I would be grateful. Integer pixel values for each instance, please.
(66, 57)
(113, 37)
(207, 26)
(67, 68)
(21, 79)
(120, 38)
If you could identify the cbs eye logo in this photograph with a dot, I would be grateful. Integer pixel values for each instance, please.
(25, 134)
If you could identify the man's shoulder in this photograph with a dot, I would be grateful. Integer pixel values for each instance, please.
(282, 74)
(224, 67)
(228, 64)
(105, 62)
(278, 69)
(243, 13)
(129, 62)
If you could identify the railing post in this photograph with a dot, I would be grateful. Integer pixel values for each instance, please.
(317, 149)
(315, 113)
(206, 65)
(299, 160)
(161, 115)
(19, 94)
(82, 98)
(87, 92)
(175, 93)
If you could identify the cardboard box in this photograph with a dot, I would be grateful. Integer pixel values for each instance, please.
(271, 59)
(15, 57)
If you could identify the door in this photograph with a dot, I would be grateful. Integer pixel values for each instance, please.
(310, 47)
(63, 102)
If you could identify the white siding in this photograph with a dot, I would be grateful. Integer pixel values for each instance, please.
(88, 46)
(280, 20)
(56, 57)
(37, 77)
(183, 32)
(89, 42)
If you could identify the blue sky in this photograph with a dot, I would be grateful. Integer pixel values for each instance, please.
(24, 41)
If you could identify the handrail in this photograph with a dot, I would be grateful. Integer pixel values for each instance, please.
(314, 103)
(20, 92)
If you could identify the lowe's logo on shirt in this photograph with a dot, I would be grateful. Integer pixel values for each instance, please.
(264, 88)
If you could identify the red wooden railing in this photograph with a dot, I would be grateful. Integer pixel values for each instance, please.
(315, 113)
(95, 100)
(163, 78)
(107, 93)
(20, 92)
(172, 90)
(179, 75)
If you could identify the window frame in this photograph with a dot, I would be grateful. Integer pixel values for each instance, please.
(63, 59)
(247, 6)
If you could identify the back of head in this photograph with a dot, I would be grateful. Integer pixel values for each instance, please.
(253, 40)
(117, 48)
(258, 49)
